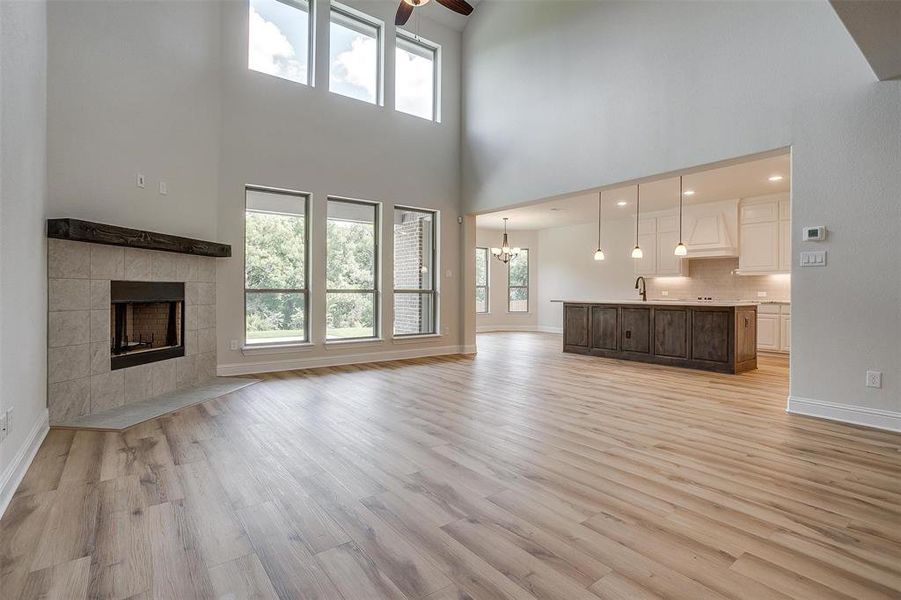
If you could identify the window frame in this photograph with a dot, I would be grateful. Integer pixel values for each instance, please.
(433, 291)
(525, 287)
(308, 6)
(435, 49)
(377, 271)
(353, 14)
(487, 285)
(305, 291)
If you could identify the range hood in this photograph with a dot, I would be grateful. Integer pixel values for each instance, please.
(711, 230)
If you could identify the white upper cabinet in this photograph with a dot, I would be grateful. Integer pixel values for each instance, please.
(710, 230)
(765, 245)
(658, 237)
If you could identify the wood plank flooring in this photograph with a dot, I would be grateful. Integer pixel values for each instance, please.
(521, 473)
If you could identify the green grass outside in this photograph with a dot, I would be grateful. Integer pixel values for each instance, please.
(339, 333)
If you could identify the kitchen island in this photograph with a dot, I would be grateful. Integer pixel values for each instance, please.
(713, 336)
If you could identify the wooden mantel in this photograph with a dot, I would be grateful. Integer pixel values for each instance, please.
(113, 235)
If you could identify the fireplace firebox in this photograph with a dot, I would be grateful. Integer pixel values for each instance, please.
(147, 322)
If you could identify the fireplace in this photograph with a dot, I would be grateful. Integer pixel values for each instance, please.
(147, 322)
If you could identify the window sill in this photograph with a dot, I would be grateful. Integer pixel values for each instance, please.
(409, 339)
(514, 313)
(360, 342)
(262, 349)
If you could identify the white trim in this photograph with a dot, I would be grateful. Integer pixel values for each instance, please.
(413, 338)
(334, 361)
(339, 343)
(14, 473)
(469, 349)
(490, 328)
(546, 329)
(856, 415)
(537, 328)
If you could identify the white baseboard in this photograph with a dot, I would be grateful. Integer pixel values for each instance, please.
(291, 364)
(15, 471)
(538, 328)
(857, 415)
(493, 328)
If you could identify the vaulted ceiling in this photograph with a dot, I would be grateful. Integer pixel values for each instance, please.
(875, 26)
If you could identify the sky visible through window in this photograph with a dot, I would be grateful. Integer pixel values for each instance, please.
(279, 40)
(353, 60)
(414, 80)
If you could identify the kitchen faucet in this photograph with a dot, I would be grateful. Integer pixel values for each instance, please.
(643, 289)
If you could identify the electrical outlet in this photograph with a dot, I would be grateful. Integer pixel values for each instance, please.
(164, 189)
(140, 180)
(233, 345)
(874, 379)
(664, 292)
(761, 294)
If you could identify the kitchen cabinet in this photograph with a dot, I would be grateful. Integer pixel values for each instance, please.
(785, 331)
(774, 327)
(658, 236)
(765, 245)
(714, 337)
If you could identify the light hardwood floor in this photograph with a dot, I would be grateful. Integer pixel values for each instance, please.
(520, 473)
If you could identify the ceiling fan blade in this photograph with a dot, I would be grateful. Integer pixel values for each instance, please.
(403, 13)
(459, 6)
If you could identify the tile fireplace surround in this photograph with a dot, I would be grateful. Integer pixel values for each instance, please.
(80, 381)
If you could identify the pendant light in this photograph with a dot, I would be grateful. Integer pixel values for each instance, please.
(680, 250)
(636, 251)
(599, 254)
(505, 253)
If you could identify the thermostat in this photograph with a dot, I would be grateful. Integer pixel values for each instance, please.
(814, 234)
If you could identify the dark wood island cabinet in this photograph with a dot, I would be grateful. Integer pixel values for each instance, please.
(718, 337)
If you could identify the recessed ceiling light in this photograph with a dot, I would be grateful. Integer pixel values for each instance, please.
(776, 178)
(621, 203)
(689, 192)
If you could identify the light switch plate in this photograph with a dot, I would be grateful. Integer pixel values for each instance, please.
(813, 259)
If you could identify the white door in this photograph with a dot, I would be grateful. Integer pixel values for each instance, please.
(768, 332)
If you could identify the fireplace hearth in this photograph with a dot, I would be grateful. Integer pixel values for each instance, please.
(147, 322)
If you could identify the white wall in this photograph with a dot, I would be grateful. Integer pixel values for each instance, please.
(498, 317)
(569, 272)
(163, 88)
(613, 91)
(133, 87)
(23, 197)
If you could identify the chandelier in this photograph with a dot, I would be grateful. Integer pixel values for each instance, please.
(505, 253)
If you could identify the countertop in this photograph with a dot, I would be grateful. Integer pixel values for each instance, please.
(664, 302)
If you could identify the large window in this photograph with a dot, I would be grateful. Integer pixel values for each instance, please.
(275, 267)
(518, 282)
(415, 262)
(416, 76)
(352, 272)
(279, 39)
(355, 54)
(481, 280)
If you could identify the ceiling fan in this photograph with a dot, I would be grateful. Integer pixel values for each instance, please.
(406, 8)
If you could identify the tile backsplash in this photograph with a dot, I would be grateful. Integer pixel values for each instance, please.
(714, 277)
